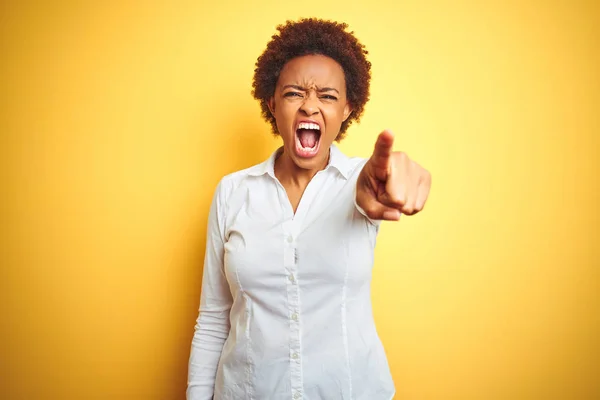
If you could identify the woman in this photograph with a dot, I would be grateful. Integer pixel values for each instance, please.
(285, 309)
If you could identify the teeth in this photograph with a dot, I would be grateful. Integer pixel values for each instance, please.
(308, 125)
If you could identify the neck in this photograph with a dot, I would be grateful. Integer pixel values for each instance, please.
(287, 172)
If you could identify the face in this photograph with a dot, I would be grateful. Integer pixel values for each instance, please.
(309, 106)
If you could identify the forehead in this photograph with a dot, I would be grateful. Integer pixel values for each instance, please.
(315, 70)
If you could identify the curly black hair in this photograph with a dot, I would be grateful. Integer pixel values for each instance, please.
(314, 36)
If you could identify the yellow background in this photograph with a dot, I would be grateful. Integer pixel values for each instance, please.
(117, 119)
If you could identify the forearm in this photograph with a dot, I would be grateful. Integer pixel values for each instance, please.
(212, 329)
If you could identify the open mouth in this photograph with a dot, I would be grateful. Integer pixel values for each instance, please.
(308, 137)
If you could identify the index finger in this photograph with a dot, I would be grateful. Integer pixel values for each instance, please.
(383, 150)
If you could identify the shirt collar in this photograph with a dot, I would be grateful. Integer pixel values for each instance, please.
(337, 160)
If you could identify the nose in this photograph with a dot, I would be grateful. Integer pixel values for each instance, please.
(309, 105)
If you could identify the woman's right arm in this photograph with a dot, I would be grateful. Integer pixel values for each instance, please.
(212, 325)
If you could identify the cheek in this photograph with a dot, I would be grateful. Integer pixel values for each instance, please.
(284, 119)
(282, 115)
(286, 111)
(334, 117)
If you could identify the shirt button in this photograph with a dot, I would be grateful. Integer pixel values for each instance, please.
(295, 317)
(295, 356)
(297, 396)
(292, 279)
(290, 239)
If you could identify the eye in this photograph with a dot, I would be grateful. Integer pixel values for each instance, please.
(292, 94)
(328, 97)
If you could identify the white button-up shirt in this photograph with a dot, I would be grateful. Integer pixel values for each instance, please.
(285, 310)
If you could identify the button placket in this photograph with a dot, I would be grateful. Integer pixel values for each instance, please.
(293, 296)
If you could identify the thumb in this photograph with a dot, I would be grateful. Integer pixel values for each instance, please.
(373, 209)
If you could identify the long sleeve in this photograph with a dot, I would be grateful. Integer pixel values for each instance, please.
(212, 326)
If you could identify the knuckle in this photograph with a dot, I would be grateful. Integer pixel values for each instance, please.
(402, 156)
(423, 177)
(396, 201)
(391, 201)
(427, 176)
(410, 208)
(370, 210)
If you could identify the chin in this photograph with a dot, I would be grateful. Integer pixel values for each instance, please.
(312, 163)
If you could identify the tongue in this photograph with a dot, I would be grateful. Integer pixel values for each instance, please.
(308, 138)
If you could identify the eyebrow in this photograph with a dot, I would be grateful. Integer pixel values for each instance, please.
(325, 89)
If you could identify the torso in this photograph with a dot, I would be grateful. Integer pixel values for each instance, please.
(298, 263)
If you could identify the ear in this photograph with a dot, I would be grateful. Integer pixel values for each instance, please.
(271, 105)
(347, 111)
